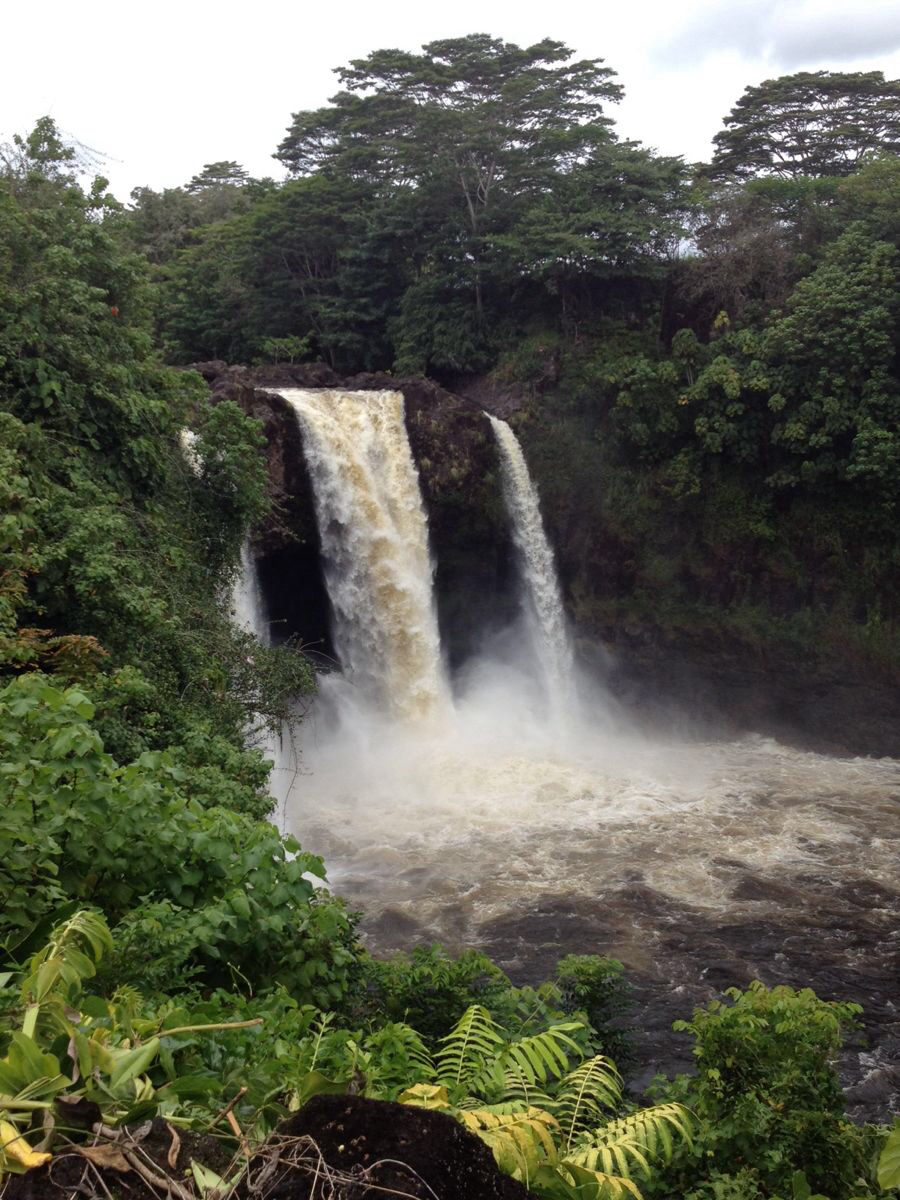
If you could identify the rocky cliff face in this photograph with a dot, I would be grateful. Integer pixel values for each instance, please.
(698, 675)
(453, 446)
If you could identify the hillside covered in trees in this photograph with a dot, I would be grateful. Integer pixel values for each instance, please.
(706, 355)
(701, 361)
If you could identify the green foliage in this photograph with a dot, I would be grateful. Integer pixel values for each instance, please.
(217, 174)
(115, 556)
(716, 441)
(889, 1160)
(871, 197)
(613, 216)
(548, 1125)
(194, 890)
(71, 1049)
(596, 986)
(429, 990)
(833, 352)
(811, 123)
(766, 1093)
(437, 196)
(232, 475)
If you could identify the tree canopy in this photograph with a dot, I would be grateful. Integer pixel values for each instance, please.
(489, 112)
(812, 123)
(480, 119)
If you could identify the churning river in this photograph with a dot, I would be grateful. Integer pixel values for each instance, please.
(518, 810)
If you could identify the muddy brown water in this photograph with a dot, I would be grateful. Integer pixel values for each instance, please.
(700, 865)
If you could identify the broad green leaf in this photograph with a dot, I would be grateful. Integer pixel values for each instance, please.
(129, 1064)
(889, 1160)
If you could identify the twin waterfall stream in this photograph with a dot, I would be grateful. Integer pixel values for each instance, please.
(515, 807)
(378, 571)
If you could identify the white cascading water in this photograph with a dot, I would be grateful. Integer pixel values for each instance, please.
(245, 604)
(541, 595)
(374, 535)
(247, 609)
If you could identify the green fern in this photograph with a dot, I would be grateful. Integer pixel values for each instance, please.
(623, 1155)
(566, 1147)
(520, 1088)
(473, 1043)
(654, 1129)
(395, 1057)
(624, 1147)
(584, 1184)
(521, 1142)
(593, 1087)
(543, 1055)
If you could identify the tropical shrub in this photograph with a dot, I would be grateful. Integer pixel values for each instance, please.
(66, 1051)
(201, 891)
(766, 1093)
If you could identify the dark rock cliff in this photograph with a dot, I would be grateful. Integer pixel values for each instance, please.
(453, 447)
(700, 677)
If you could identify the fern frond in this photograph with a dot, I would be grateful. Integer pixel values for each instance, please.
(521, 1142)
(503, 1108)
(416, 1048)
(529, 1061)
(622, 1155)
(593, 1086)
(653, 1129)
(542, 1056)
(399, 1034)
(519, 1088)
(597, 1185)
(473, 1042)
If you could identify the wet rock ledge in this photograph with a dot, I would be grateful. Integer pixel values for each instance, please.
(454, 450)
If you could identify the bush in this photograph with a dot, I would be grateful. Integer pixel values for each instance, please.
(596, 986)
(768, 1097)
(196, 891)
(430, 990)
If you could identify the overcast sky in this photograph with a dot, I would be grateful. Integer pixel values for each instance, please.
(161, 89)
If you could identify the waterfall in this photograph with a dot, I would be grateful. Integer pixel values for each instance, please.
(542, 599)
(247, 609)
(374, 535)
(249, 614)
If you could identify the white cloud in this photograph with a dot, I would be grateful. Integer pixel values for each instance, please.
(788, 33)
(163, 89)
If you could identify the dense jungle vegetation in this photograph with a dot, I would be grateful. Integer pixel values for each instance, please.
(709, 358)
(712, 349)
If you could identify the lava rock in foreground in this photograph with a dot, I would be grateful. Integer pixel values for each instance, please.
(373, 1148)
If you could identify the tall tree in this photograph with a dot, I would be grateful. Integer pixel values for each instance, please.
(228, 173)
(474, 117)
(813, 123)
(614, 216)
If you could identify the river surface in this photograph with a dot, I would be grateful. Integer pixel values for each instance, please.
(701, 865)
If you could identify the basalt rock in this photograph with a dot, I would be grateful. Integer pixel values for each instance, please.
(728, 687)
(454, 450)
(365, 1149)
